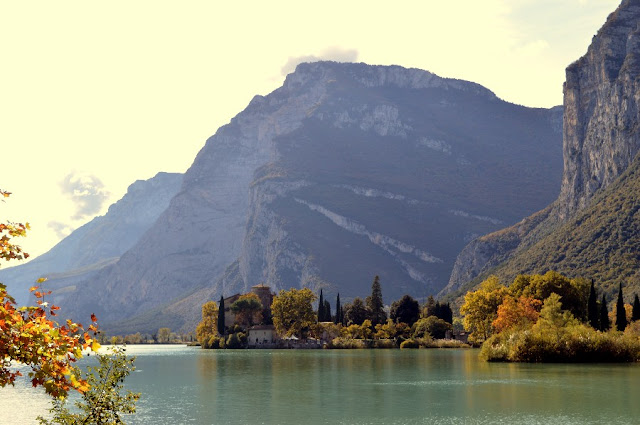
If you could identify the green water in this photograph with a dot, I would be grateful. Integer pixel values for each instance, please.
(183, 385)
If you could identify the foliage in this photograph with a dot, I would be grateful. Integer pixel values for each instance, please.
(592, 308)
(621, 317)
(363, 331)
(355, 313)
(248, 309)
(605, 323)
(164, 335)
(405, 310)
(348, 343)
(30, 336)
(390, 330)
(410, 343)
(339, 319)
(235, 340)
(292, 311)
(431, 326)
(635, 312)
(375, 304)
(480, 308)
(207, 327)
(104, 402)
(321, 313)
(437, 309)
(574, 292)
(601, 241)
(522, 312)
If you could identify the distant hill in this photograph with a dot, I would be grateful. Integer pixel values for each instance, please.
(98, 243)
(345, 172)
(591, 230)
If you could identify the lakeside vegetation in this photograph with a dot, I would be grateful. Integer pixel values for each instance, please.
(551, 318)
(358, 324)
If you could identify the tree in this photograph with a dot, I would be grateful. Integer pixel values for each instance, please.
(375, 304)
(105, 401)
(339, 318)
(431, 326)
(327, 311)
(221, 324)
(29, 335)
(621, 317)
(164, 335)
(480, 308)
(429, 308)
(322, 315)
(247, 309)
(208, 327)
(522, 312)
(406, 310)
(592, 308)
(356, 312)
(635, 314)
(292, 311)
(604, 315)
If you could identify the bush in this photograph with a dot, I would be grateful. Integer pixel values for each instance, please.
(384, 343)
(410, 343)
(348, 343)
(233, 341)
(431, 326)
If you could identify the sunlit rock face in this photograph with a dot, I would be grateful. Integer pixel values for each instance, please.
(345, 172)
(601, 137)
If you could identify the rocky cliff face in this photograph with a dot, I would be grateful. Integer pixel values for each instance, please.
(100, 242)
(601, 137)
(345, 172)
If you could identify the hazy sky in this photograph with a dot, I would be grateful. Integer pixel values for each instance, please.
(95, 95)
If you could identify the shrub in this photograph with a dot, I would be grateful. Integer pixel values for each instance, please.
(410, 343)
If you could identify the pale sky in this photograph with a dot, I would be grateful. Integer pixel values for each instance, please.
(95, 95)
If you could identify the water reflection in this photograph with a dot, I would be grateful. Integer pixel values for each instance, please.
(188, 385)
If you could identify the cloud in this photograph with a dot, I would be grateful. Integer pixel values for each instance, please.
(333, 53)
(61, 230)
(87, 193)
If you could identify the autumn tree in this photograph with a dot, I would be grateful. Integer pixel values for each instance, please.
(164, 335)
(480, 308)
(375, 304)
(292, 311)
(512, 313)
(432, 326)
(405, 310)
(248, 309)
(208, 326)
(30, 336)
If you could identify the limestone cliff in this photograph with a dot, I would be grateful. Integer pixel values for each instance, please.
(601, 138)
(345, 172)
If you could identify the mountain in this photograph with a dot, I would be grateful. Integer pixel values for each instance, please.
(98, 243)
(591, 229)
(344, 172)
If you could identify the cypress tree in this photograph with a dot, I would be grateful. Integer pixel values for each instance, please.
(604, 315)
(327, 311)
(635, 315)
(338, 310)
(321, 308)
(375, 304)
(592, 308)
(621, 314)
(221, 324)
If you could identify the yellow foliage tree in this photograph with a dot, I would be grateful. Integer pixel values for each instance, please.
(480, 308)
(208, 326)
(292, 311)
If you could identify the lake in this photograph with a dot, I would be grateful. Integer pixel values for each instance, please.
(188, 385)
